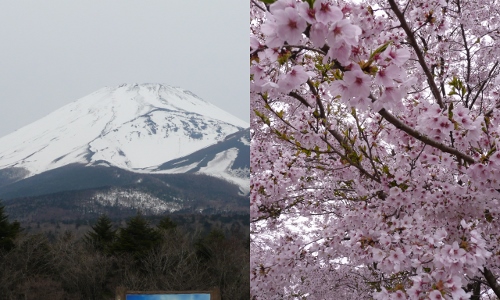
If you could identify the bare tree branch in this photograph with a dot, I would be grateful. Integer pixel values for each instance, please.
(421, 59)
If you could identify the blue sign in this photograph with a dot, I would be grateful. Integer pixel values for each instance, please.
(169, 297)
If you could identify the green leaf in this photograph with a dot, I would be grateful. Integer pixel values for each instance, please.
(263, 117)
(380, 50)
(457, 87)
(316, 149)
(311, 3)
(385, 169)
(283, 58)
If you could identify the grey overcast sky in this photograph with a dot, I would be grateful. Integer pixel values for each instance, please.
(55, 52)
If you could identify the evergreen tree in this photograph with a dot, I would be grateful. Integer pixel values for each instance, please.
(102, 234)
(166, 224)
(206, 247)
(8, 231)
(137, 237)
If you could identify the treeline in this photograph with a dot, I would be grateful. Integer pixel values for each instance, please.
(78, 181)
(138, 256)
(74, 204)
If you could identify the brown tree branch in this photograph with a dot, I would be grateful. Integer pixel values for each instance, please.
(469, 64)
(337, 135)
(468, 55)
(300, 98)
(418, 52)
(492, 281)
(419, 136)
(481, 88)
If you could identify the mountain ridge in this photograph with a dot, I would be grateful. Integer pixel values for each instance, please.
(136, 127)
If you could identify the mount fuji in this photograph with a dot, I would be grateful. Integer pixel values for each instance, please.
(146, 129)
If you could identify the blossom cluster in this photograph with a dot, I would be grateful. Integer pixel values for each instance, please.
(374, 163)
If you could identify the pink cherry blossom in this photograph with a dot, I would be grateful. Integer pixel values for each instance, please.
(361, 103)
(343, 32)
(357, 82)
(397, 56)
(254, 44)
(454, 286)
(397, 258)
(318, 35)
(436, 295)
(269, 29)
(399, 295)
(269, 53)
(339, 88)
(306, 12)
(375, 169)
(282, 5)
(390, 96)
(289, 25)
(326, 13)
(383, 294)
(454, 253)
(378, 255)
(340, 52)
(414, 293)
(387, 76)
(293, 79)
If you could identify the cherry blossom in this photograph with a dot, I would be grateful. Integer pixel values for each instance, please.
(289, 25)
(357, 83)
(436, 295)
(318, 35)
(269, 28)
(326, 13)
(397, 56)
(375, 159)
(293, 79)
(343, 32)
(340, 51)
(387, 76)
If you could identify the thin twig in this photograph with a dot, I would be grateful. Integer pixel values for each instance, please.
(253, 1)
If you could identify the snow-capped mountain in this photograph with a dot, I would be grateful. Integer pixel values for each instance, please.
(135, 127)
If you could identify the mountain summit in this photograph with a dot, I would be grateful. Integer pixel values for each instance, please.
(135, 127)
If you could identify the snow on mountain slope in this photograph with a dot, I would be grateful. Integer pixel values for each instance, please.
(145, 202)
(135, 127)
(228, 159)
(220, 165)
